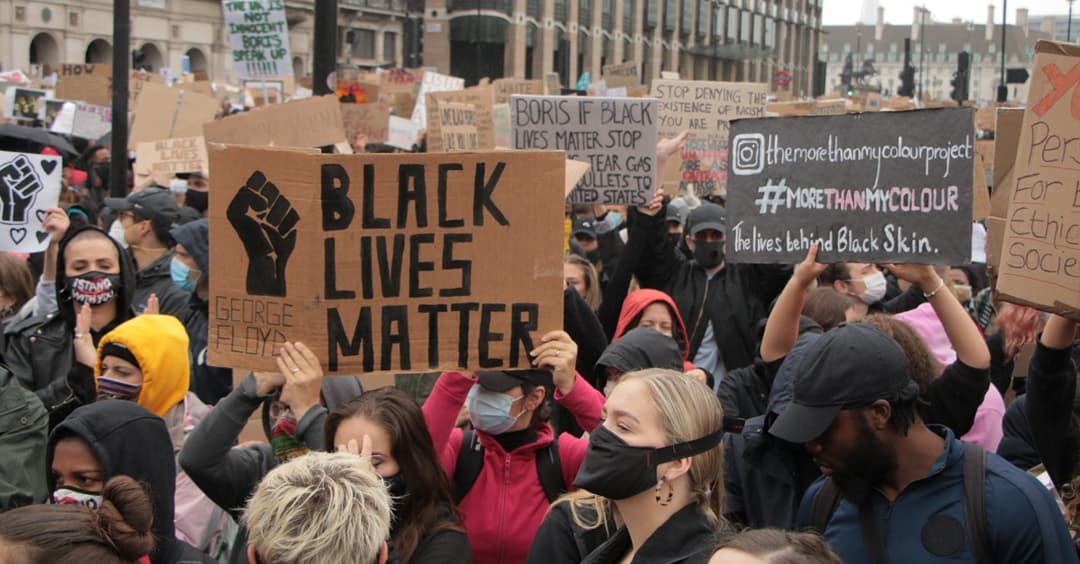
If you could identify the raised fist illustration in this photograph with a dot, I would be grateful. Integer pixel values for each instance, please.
(19, 184)
(266, 223)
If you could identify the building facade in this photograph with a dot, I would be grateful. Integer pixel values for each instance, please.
(934, 49)
(734, 40)
(370, 33)
(1058, 26)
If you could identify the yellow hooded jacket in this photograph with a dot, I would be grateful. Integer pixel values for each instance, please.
(160, 344)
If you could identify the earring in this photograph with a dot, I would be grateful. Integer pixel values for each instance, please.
(670, 494)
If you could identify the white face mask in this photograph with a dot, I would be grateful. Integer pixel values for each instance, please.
(116, 231)
(76, 496)
(876, 286)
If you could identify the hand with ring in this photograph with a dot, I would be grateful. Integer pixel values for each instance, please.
(303, 378)
(559, 353)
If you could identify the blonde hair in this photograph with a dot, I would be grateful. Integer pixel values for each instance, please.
(689, 410)
(592, 279)
(588, 510)
(320, 508)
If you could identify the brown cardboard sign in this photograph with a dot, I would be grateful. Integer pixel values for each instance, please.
(172, 156)
(1040, 254)
(980, 192)
(84, 82)
(622, 75)
(137, 81)
(368, 120)
(480, 97)
(457, 127)
(164, 113)
(1006, 136)
(504, 88)
(311, 122)
(385, 263)
(705, 109)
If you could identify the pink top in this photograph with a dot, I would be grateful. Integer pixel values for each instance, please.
(987, 429)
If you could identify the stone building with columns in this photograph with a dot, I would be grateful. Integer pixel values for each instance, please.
(49, 32)
(934, 49)
(733, 40)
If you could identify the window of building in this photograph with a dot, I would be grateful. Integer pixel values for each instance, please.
(702, 15)
(732, 25)
(389, 50)
(607, 17)
(759, 29)
(584, 15)
(628, 16)
(687, 17)
(650, 13)
(744, 29)
(718, 24)
(363, 44)
(560, 11)
(770, 33)
(670, 17)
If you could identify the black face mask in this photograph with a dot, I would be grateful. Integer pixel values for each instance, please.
(593, 256)
(197, 200)
(709, 254)
(93, 288)
(616, 470)
(102, 171)
(395, 486)
(675, 238)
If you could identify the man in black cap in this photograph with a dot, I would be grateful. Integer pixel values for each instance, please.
(906, 489)
(144, 219)
(721, 303)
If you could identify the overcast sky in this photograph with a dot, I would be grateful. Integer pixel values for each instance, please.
(848, 12)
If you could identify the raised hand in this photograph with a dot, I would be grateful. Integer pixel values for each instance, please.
(559, 353)
(18, 186)
(266, 223)
(85, 352)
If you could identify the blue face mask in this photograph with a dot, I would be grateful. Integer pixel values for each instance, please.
(180, 275)
(490, 411)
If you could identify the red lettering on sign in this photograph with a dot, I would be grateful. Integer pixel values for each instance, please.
(1060, 85)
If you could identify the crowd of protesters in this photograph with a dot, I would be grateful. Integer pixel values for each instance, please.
(690, 410)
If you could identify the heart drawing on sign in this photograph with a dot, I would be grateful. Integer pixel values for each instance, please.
(48, 166)
(41, 215)
(17, 234)
(41, 236)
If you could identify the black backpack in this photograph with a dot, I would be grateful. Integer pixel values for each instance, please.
(470, 461)
(974, 470)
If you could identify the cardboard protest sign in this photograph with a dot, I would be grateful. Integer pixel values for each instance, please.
(137, 80)
(172, 156)
(162, 113)
(384, 263)
(1040, 255)
(985, 118)
(552, 85)
(616, 136)
(49, 111)
(622, 75)
(1007, 134)
(312, 122)
(705, 109)
(90, 121)
(29, 185)
(873, 187)
(259, 38)
(457, 127)
(370, 121)
(403, 133)
(23, 103)
(479, 97)
(433, 82)
(980, 191)
(500, 121)
(64, 120)
(88, 83)
(504, 88)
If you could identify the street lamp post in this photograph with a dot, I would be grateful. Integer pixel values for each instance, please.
(1068, 24)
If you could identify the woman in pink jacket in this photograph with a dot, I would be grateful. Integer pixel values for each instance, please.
(506, 502)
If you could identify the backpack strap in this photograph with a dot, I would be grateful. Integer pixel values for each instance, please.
(470, 461)
(549, 469)
(974, 468)
(824, 505)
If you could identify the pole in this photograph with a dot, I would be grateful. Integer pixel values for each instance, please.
(1003, 89)
(326, 36)
(922, 52)
(1068, 25)
(121, 63)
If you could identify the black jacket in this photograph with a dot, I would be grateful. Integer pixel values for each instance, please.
(127, 439)
(733, 300)
(1018, 443)
(156, 278)
(560, 540)
(684, 538)
(1051, 393)
(40, 352)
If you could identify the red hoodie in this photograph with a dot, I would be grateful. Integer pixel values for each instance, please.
(506, 504)
(636, 302)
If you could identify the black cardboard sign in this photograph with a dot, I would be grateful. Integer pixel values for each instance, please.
(876, 187)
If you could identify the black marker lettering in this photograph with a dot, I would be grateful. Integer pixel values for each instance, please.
(487, 336)
(444, 221)
(412, 174)
(449, 263)
(338, 338)
(395, 316)
(337, 208)
(330, 286)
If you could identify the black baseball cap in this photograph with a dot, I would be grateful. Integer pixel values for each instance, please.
(708, 216)
(851, 366)
(586, 226)
(156, 204)
(502, 380)
(677, 210)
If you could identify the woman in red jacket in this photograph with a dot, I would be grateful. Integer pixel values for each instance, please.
(656, 310)
(506, 502)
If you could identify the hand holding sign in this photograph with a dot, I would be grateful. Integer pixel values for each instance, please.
(559, 353)
(266, 223)
(18, 186)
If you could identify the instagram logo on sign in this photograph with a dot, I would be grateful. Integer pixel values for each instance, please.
(748, 154)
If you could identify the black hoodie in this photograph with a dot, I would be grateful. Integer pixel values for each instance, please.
(39, 350)
(639, 349)
(128, 440)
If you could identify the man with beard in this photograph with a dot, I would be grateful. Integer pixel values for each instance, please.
(901, 482)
